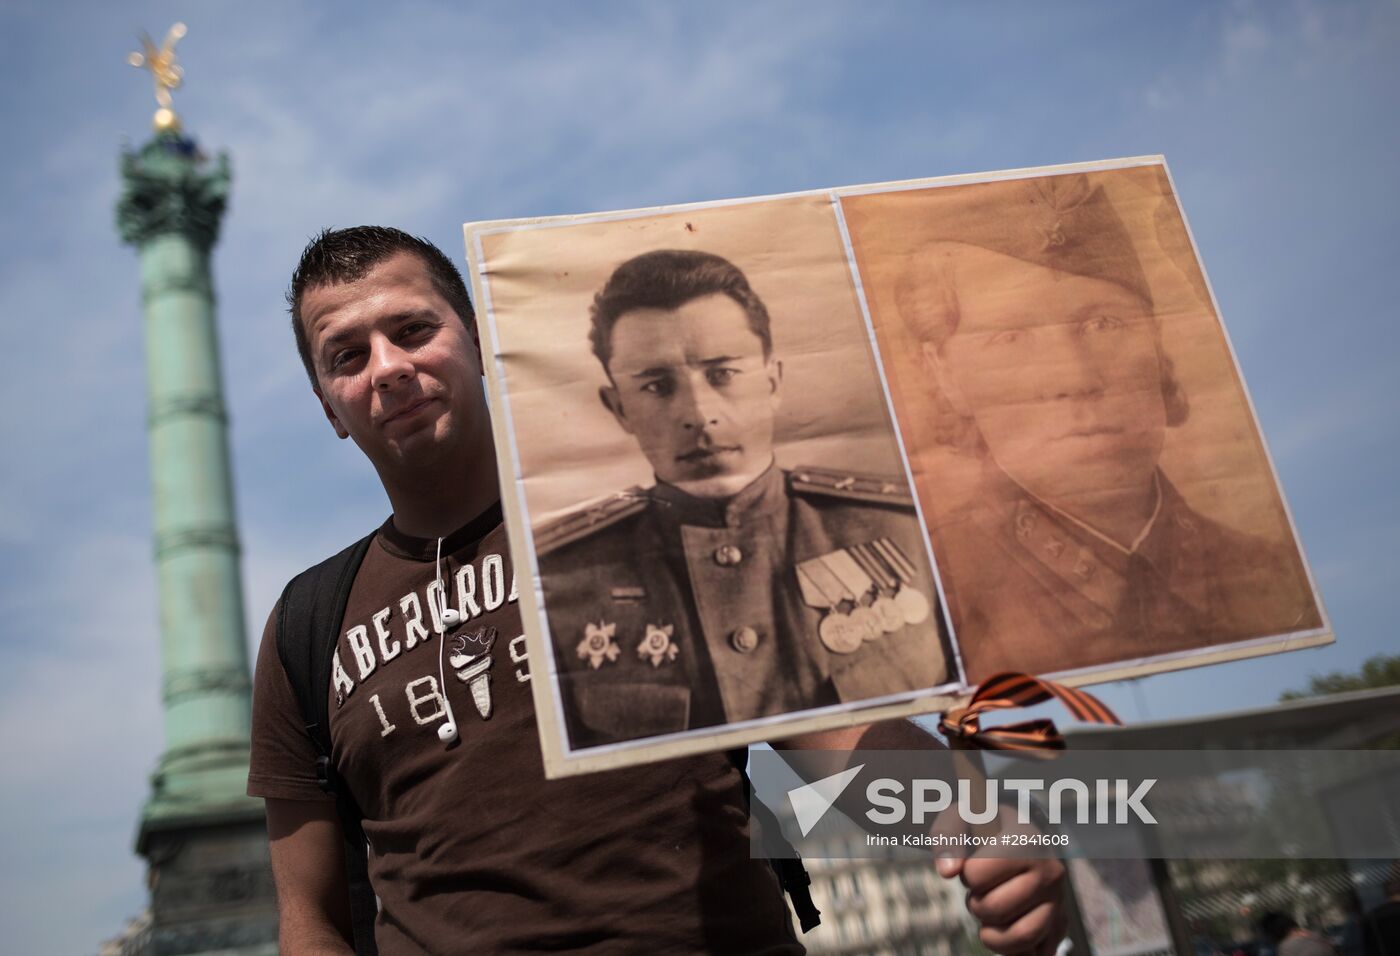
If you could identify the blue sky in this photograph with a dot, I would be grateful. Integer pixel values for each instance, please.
(1279, 121)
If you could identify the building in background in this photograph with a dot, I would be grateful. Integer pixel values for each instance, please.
(884, 907)
(888, 905)
(1215, 905)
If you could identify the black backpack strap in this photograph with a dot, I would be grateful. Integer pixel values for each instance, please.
(308, 624)
(782, 855)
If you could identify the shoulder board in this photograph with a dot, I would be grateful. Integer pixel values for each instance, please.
(850, 485)
(589, 518)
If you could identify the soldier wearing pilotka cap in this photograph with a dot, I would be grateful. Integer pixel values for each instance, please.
(731, 589)
(1043, 356)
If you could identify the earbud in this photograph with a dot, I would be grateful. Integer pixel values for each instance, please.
(451, 616)
(447, 732)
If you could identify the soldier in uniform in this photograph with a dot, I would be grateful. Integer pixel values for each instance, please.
(730, 589)
(1043, 355)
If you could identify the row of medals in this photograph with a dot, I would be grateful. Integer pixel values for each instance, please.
(866, 591)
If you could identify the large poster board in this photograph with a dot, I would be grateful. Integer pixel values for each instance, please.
(781, 464)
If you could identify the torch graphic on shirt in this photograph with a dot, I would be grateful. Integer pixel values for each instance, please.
(471, 659)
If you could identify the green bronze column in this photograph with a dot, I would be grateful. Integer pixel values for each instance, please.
(171, 203)
(204, 839)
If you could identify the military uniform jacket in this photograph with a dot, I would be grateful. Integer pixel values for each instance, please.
(669, 612)
(1029, 590)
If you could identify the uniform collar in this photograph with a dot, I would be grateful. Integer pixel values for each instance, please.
(765, 495)
(1099, 536)
(1167, 563)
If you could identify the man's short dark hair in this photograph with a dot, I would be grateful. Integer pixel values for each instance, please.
(668, 279)
(336, 256)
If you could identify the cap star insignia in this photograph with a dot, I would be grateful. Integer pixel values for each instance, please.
(598, 644)
(657, 645)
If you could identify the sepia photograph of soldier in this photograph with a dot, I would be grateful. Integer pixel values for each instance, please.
(730, 589)
(723, 534)
(1077, 518)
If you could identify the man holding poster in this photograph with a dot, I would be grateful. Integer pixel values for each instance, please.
(731, 589)
(473, 849)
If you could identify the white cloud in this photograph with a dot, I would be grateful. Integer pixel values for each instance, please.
(1242, 40)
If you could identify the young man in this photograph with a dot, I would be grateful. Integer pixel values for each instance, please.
(730, 589)
(472, 850)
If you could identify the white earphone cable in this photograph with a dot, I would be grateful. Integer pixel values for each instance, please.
(448, 731)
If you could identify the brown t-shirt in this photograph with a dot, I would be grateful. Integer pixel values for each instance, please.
(472, 849)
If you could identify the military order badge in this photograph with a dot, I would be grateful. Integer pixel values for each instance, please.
(783, 464)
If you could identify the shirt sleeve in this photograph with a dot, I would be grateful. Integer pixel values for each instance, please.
(282, 759)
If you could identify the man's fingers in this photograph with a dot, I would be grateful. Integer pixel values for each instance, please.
(1027, 935)
(947, 828)
(1008, 901)
(981, 873)
(1020, 903)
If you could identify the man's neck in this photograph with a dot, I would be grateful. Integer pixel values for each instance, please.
(434, 501)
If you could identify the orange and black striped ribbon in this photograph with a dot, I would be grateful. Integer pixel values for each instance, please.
(1007, 690)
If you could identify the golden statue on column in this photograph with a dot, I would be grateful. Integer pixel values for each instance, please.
(166, 72)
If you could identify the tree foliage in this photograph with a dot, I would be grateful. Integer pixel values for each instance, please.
(1383, 670)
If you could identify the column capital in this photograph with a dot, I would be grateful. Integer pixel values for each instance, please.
(170, 186)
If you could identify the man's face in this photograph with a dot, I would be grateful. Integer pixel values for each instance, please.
(1061, 373)
(693, 387)
(397, 370)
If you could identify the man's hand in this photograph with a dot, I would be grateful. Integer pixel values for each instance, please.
(1020, 903)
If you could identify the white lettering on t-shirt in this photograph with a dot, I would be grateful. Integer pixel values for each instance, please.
(519, 655)
(466, 591)
(417, 700)
(413, 619)
(493, 585)
(514, 592)
(358, 639)
(387, 651)
(388, 728)
(344, 686)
